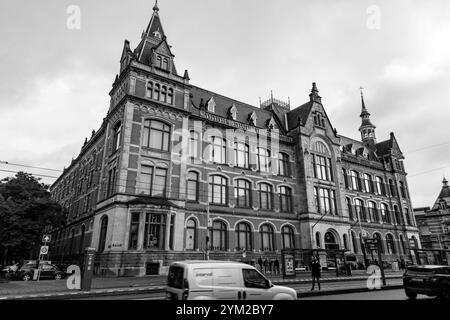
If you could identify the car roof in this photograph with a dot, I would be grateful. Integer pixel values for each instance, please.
(204, 263)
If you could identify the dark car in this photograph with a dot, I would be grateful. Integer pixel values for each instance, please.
(48, 271)
(431, 280)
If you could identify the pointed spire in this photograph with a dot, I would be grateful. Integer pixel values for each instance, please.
(186, 75)
(314, 95)
(367, 128)
(155, 7)
(445, 182)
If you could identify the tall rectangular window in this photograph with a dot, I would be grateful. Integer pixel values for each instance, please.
(218, 188)
(146, 180)
(159, 185)
(154, 231)
(134, 231)
(111, 182)
(192, 186)
(156, 135)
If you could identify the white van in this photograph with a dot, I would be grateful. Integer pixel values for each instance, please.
(221, 280)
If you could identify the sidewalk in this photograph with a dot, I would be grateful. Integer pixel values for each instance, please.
(123, 285)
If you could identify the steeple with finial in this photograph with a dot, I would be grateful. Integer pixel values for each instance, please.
(367, 128)
(314, 95)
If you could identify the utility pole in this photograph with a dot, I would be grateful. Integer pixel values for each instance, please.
(207, 231)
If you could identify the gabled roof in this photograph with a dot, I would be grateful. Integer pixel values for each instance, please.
(302, 112)
(223, 104)
(388, 146)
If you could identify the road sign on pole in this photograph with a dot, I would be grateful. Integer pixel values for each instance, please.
(44, 250)
(46, 238)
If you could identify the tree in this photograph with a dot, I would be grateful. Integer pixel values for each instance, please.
(26, 209)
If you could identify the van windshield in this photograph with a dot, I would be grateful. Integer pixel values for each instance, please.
(175, 277)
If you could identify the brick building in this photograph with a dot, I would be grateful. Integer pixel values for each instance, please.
(434, 222)
(172, 163)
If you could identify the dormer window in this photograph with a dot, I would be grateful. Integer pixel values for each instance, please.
(271, 123)
(157, 34)
(211, 105)
(252, 119)
(232, 112)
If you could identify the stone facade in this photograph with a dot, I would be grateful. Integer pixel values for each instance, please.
(175, 170)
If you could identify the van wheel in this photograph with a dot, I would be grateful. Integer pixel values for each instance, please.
(58, 276)
(26, 277)
(411, 295)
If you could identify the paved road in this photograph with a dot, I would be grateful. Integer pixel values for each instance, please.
(398, 294)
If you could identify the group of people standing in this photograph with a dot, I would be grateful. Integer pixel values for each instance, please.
(269, 266)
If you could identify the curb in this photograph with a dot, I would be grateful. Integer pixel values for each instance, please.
(323, 280)
(344, 291)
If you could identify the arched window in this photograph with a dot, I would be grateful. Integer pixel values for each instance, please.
(116, 136)
(378, 236)
(218, 150)
(390, 246)
(156, 96)
(149, 92)
(265, 196)
(402, 245)
(267, 238)
(263, 159)
(408, 218)
(191, 235)
(156, 135)
(283, 165)
(360, 210)
(344, 174)
(194, 145)
(165, 64)
(368, 187)
(285, 199)
(373, 212)
(402, 189)
(398, 216)
(354, 242)
(242, 154)
(330, 241)
(392, 188)
(287, 236)
(164, 94)
(244, 237)
(322, 162)
(103, 231)
(81, 244)
(192, 186)
(218, 190)
(349, 208)
(385, 214)
(379, 186)
(243, 193)
(345, 241)
(354, 176)
(218, 236)
(170, 96)
(318, 241)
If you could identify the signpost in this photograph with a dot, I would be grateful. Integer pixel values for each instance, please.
(42, 252)
(375, 244)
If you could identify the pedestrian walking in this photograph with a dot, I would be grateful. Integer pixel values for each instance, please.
(266, 265)
(276, 266)
(349, 269)
(271, 266)
(315, 272)
(260, 263)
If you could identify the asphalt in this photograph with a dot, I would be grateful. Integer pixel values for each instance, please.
(56, 290)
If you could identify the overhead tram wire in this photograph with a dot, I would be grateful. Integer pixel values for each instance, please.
(27, 166)
(33, 174)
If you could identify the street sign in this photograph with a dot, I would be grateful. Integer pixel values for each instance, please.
(46, 238)
(44, 249)
(372, 244)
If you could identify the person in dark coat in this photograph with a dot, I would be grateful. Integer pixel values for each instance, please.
(315, 272)
(260, 263)
(349, 269)
(276, 266)
(266, 265)
(271, 266)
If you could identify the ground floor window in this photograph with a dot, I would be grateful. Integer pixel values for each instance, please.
(154, 231)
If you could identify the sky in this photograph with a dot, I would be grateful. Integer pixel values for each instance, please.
(58, 60)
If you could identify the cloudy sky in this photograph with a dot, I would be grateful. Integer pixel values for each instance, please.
(54, 81)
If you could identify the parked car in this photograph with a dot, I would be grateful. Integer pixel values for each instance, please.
(8, 271)
(221, 280)
(431, 280)
(48, 271)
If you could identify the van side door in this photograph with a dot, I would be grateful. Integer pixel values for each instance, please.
(228, 283)
(256, 286)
